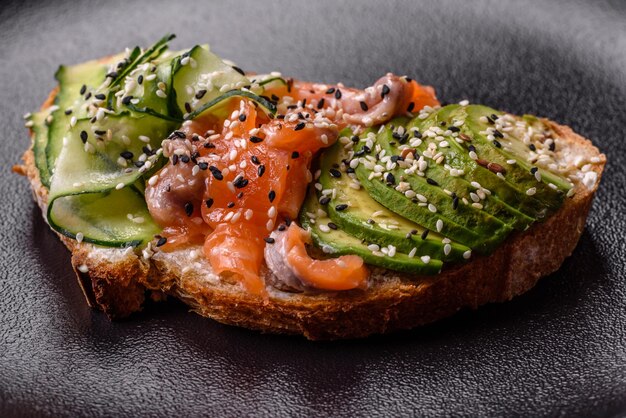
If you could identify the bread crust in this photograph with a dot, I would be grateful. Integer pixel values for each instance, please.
(116, 280)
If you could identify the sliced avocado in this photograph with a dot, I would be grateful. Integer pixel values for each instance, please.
(431, 206)
(442, 174)
(459, 157)
(501, 148)
(367, 219)
(338, 242)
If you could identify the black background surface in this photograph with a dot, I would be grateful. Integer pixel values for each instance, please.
(560, 349)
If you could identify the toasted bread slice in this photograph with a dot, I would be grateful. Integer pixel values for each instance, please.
(116, 280)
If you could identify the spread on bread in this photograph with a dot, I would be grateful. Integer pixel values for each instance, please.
(160, 150)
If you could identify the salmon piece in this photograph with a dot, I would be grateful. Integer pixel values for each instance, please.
(237, 248)
(342, 273)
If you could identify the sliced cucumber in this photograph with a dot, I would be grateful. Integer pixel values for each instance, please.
(199, 77)
(117, 218)
(40, 139)
(71, 81)
(100, 156)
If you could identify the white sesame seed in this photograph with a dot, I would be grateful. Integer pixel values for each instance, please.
(467, 254)
(235, 217)
(439, 225)
(411, 253)
(229, 216)
(161, 94)
(271, 212)
(432, 208)
(531, 191)
(392, 251)
(373, 247)
(144, 138)
(464, 102)
(79, 236)
(447, 248)
(248, 214)
(83, 268)
(473, 155)
(269, 225)
(511, 162)
(538, 175)
(324, 228)
(425, 259)
(119, 186)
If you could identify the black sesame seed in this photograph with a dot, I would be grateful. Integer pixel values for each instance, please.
(413, 232)
(371, 221)
(335, 173)
(455, 202)
(83, 89)
(532, 147)
(200, 94)
(472, 148)
(498, 134)
(216, 173)
(87, 96)
(188, 107)
(242, 117)
(299, 126)
(385, 91)
(255, 160)
(255, 139)
(209, 145)
(230, 205)
(333, 226)
(208, 202)
(180, 134)
(99, 132)
(184, 158)
(161, 241)
(454, 129)
(275, 98)
(271, 196)
(338, 94)
(269, 240)
(261, 170)
(282, 227)
(287, 220)
(140, 79)
(533, 170)
(390, 178)
(355, 139)
(83, 136)
(425, 233)
(295, 154)
(497, 143)
(491, 122)
(320, 104)
(126, 155)
(239, 70)
(341, 207)
(203, 166)
(189, 208)
(239, 195)
(431, 182)
(139, 163)
(126, 100)
(330, 90)
(410, 107)
(552, 146)
(240, 183)
(68, 111)
(174, 159)
(324, 200)
(100, 96)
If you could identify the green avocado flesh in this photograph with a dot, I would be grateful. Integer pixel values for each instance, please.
(445, 184)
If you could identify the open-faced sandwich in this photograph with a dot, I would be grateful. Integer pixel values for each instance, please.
(294, 207)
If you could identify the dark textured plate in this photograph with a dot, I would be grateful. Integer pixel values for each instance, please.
(560, 349)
